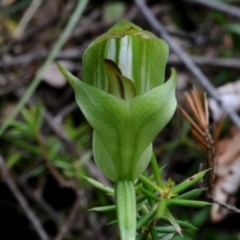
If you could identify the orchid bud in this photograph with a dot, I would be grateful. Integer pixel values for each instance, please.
(124, 98)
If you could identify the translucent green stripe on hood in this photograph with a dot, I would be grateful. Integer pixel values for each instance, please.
(140, 55)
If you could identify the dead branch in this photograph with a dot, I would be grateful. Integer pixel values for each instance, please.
(231, 63)
(224, 205)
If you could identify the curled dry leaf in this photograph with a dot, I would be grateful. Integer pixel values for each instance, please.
(227, 172)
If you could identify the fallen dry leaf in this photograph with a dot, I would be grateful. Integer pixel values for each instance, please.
(227, 171)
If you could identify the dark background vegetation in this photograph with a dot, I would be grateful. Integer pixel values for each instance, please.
(46, 150)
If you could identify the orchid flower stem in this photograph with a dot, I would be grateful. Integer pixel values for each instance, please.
(126, 209)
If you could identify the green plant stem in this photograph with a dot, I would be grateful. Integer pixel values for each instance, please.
(156, 171)
(148, 182)
(126, 209)
(61, 41)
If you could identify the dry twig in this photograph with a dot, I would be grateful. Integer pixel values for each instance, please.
(231, 63)
(224, 205)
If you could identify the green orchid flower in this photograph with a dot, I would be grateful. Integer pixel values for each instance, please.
(124, 98)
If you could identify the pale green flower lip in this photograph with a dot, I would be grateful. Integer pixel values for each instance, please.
(118, 85)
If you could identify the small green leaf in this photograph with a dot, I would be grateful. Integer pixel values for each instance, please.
(149, 190)
(182, 224)
(191, 194)
(99, 186)
(149, 194)
(114, 222)
(188, 182)
(148, 182)
(173, 221)
(166, 236)
(187, 203)
(162, 207)
(166, 229)
(156, 171)
(103, 209)
(146, 218)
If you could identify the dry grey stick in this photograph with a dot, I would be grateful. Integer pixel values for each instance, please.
(23, 202)
(224, 205)
(186, 59)
(222, 7)
(76, 54)
(230, 63)
(34, 56)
